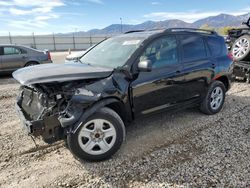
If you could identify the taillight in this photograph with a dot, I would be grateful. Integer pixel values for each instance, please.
(49, 56)
(230, 55)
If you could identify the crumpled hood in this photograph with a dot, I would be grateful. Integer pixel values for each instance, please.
(59, 73)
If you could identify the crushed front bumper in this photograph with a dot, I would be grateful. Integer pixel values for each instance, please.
(48, 128)
(34, 128)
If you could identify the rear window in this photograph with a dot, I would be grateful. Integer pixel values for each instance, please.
(193, 48)
(216, 46)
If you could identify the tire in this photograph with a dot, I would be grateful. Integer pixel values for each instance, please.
(31, 64)
(214, 99)
(89, 143)
(241, 48)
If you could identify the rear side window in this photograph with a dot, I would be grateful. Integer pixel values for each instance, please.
(216, 46)
(193, 48)
(11, 51)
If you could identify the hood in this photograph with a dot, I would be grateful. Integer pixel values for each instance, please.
(59, 73)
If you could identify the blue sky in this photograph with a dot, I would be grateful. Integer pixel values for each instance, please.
(47, 16)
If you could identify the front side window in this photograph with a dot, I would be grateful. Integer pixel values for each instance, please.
(162, 52)
(11, 51)
(113, 52)
(193, 48)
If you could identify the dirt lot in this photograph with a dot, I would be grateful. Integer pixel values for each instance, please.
(176, 149)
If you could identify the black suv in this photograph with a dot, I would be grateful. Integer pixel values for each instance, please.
(124, 77)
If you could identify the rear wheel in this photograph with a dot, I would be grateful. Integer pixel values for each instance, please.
(31, 64)
(241, 48)
(214, 100)
(99, 137)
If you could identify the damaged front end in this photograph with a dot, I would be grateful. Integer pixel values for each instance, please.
(48, 110)
(49, 100)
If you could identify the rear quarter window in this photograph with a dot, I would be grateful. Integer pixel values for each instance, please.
(216, 46)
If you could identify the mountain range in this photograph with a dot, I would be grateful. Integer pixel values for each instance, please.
(221, 20)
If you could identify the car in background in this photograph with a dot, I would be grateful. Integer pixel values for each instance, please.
(239, 42)
(75, 56)
(13, 57)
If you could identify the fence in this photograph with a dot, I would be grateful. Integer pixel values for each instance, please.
(53, 42)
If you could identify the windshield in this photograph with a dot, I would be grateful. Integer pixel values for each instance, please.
(112, 53)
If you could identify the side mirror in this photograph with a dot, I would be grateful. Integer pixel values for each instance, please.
(145, 66)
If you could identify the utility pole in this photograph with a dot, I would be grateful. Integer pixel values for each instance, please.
(121, 26)
(34, 40)
(10, 38)
(74, 40)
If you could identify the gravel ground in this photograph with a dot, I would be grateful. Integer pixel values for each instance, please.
(175, 149)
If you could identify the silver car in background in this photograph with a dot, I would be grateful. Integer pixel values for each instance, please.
(13, 57)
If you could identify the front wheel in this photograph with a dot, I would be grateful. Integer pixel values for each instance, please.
(99, 137)
(214, 99)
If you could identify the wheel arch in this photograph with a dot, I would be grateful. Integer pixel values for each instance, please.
(111, 102)
(31, 61)
(224, 79)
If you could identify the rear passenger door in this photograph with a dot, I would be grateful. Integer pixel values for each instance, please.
(12, 58)
(197, 66)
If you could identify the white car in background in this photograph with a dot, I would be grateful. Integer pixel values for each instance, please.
(75, 56)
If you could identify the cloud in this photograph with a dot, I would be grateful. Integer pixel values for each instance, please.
(189, 16)
(4, 3)
(28, 3)
(95, 1)
(246, 9)
(39, 3)
(15, 11)
(26, 24)
(155, 3)
(27, 14)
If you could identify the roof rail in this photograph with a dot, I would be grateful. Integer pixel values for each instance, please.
(193, 29)
(134, 31)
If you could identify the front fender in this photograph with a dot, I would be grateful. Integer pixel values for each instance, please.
(91, 110)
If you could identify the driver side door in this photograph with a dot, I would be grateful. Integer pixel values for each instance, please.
(162, 87)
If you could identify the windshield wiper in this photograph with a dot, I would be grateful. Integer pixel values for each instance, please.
(84, 62)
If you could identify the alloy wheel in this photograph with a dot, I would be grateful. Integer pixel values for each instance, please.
(97, 137)
(216, 98)
(241, 48)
